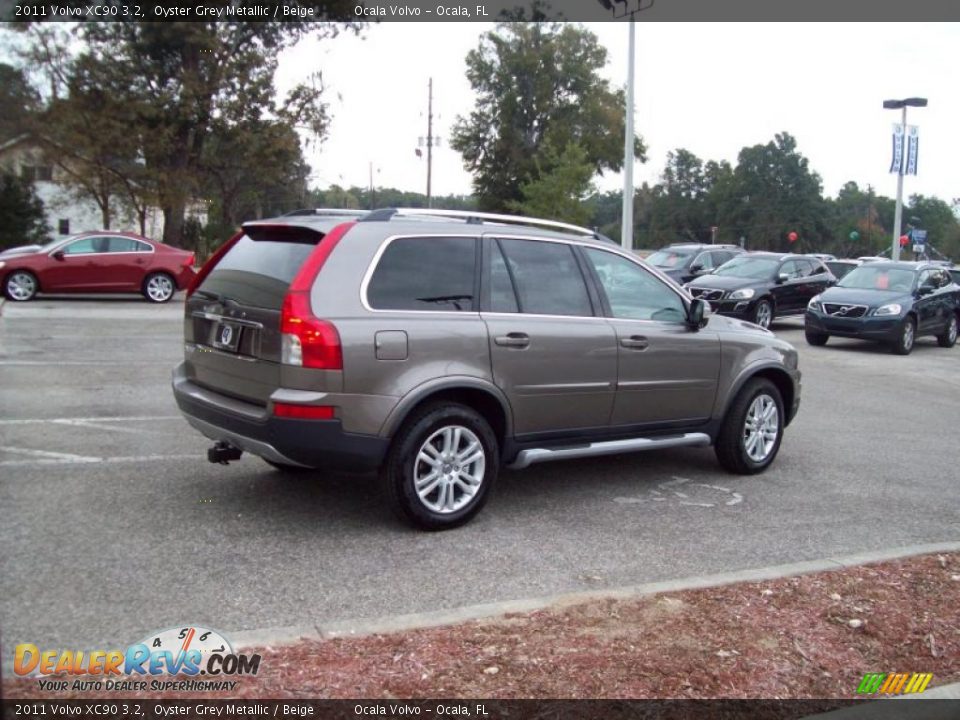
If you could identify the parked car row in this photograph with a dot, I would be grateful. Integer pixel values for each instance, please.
(96, 262)
(869, 298)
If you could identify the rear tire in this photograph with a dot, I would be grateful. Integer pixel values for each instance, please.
(816, 339)
(949, 337)
(751, 432)
(159, 287)
(20, 286)
(903, 345)
(441, 467)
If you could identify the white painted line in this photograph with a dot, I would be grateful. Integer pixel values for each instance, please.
(86, 424)
(81, 460)
(34, 363)
(117, 418)
(48, 455)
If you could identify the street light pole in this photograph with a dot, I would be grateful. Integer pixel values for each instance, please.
(898, 212)
(626, 224)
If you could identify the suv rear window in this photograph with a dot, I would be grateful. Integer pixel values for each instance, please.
(432, 273)
(259, 272)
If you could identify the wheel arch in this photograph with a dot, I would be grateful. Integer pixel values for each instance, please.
(775, 374)
(475, 393)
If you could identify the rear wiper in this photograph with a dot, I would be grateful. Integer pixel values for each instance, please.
(455, 299)
(222, 299)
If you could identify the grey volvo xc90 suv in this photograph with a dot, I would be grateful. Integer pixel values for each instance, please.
(437, 347)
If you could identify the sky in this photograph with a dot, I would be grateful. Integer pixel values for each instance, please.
(711, 88)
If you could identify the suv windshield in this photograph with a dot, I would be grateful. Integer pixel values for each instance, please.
(258, 272)
(669, 258)
(748, 267)
(873, 277)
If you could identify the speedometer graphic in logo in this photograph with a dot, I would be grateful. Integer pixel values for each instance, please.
(182, 640)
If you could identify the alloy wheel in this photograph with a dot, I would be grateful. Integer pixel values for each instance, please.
(159, 288)
(761, 428)
(449, 469)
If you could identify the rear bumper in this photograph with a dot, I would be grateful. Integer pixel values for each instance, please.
(311, 443)
(885, 329)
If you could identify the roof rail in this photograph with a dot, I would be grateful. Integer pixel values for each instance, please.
(473, 217)
(325, 211)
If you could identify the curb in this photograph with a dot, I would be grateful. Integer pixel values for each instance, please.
(326, 630)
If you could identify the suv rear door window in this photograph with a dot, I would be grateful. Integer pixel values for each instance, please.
(430, 273)
(547, 278)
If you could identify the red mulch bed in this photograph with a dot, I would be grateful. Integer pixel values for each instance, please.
(812, 636)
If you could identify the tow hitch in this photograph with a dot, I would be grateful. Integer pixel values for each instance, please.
(223, 453)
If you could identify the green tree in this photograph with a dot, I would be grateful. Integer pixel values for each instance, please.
(22, 220)
(177, 80)
(19, 103)
(937, 218)
(559, 191)
(536, 85)
(773, 192)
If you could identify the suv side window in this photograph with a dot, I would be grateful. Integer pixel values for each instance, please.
(818, 267)
(431, 273)
(704, 260)
(547, 278)
(791, 268)
(633, 293)
(502, 298)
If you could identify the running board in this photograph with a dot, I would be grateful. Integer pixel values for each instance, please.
(525, 458)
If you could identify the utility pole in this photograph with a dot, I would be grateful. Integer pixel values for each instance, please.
(429, 142)
(626, 221)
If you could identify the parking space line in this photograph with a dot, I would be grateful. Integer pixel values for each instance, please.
(47, 455)
(84, 460)
(59, 363)
(116, 418)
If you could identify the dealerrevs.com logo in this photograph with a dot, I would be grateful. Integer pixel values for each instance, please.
(192, 651)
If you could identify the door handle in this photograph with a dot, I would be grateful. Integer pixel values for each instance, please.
(635, 342)
(514, 340)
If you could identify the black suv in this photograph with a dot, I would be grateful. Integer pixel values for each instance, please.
(761, 286)
(685, 261)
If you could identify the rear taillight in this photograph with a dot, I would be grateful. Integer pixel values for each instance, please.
(211, 263)
(308, 341)
(190, 260)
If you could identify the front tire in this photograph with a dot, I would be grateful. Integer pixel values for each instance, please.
(441, 467)
(816, 339)
(763, 314)
(159, 287)
(903, 345)
(949, 337)
(21, 286)
(751, 432)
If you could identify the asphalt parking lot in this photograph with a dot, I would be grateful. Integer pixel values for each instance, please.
(113, 524)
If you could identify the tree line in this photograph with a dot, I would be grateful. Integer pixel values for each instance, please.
(162, 115)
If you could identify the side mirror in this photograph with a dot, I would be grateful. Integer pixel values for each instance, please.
(925, 289)
(696, 269)
(782, 278)
(58, 255)
(697, 314)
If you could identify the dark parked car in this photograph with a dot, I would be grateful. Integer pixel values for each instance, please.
(685, 261)
(840, 268)
(437, 346)
(98, 262)
(888, 302)
(761, 286)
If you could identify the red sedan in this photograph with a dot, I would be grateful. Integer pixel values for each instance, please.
(98, 262)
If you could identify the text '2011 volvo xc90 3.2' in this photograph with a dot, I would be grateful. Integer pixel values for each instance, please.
(436, 347)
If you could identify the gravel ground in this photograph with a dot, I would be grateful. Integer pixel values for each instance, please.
(811, 636)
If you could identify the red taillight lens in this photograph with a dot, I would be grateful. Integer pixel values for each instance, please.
(190, 260)
(212, 263)
(304, 412)
(308, 341)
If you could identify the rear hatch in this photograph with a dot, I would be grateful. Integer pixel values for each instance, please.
(233, 318)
